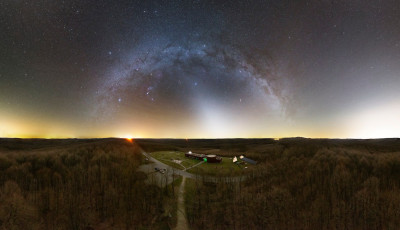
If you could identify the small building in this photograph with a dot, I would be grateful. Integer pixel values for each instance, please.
(195, 155)
(213, 159)
(203, 157)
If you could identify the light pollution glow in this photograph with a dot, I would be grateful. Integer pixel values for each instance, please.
(375, 122)
(199, 69)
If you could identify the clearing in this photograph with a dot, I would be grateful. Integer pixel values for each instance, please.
(178, 160)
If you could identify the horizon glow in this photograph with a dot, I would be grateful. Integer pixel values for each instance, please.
(200, 69)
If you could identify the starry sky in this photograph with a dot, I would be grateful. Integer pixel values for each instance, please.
(200, 69)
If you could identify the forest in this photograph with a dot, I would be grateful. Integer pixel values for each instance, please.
(76, 184)
(306, 184)
(298, 183)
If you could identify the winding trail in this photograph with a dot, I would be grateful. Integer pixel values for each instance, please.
(181, 211)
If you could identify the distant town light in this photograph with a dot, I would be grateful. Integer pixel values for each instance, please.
(129, 139)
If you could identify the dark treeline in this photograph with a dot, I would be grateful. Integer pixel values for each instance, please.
(71, 184)
(306, 184)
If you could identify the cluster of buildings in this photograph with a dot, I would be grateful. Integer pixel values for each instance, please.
(217, 159)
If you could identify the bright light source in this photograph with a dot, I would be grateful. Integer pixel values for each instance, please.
(129, 138)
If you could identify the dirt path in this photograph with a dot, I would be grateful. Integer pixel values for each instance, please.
(201, 162)
(181, 212)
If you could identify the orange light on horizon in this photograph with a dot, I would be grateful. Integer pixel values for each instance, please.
(130, 139)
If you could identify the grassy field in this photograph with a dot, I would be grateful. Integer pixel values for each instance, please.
(167, 157)
(226, 167)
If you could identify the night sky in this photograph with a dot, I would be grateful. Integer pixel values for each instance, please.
(200, 69)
